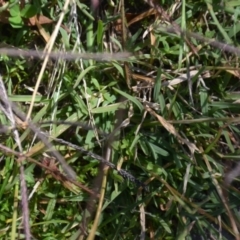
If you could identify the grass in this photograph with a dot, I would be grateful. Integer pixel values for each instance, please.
(157, 100)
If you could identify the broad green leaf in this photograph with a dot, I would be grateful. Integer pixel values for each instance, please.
(16, 21)
(15, 11)
(28, 11)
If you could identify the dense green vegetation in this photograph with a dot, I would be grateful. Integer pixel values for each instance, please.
(153, 99)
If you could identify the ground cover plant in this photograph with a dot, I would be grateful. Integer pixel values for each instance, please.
(119, 119)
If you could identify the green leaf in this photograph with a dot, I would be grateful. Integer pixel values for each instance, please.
(109, 108)
(100, 32)
(16, 22)
(143, 146)
(130, 98)
(82, 75)
(165, 225)
(28, 11)
(157, 85)
(154, 168)
(157, 150)
(50, 209)
(65, 37)
(119, 68)
(15, 10)
(117, 177)
(204, 101)
(227, 138)
(134, 142)
(96, 83)
(27, 98)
